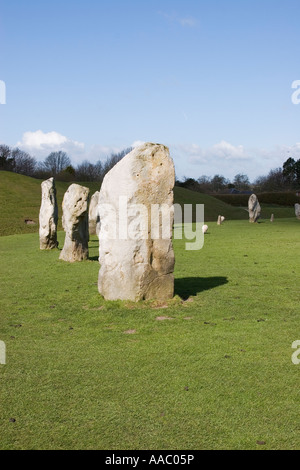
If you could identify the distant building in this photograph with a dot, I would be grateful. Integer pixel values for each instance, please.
(236, 191)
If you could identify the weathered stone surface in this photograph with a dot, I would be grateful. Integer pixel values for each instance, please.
(94, 218)
(137, 262)
(254, 208)
(75, 223)
(297, 211)
(48, 216)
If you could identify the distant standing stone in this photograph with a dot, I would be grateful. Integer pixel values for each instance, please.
(75, 223)
(137, 262)
(48, 216)
(219, 220)
(254, 208)
(297, 211)
(94, 218)
(272, 218)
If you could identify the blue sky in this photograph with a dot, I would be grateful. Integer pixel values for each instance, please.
(212, 79)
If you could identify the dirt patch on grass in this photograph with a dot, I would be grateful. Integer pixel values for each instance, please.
(162, 318)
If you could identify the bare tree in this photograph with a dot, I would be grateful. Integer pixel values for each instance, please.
(24, 163)
(204, 183)
(57, 162)
(86, 171)
(274, 181)
(241, 182)
(218, 183)
(114, 159)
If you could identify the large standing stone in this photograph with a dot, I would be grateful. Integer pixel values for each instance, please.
(136, 251)
(75, 223)
(48, 216)
(94, 218)
(254, 208)
(297, 211)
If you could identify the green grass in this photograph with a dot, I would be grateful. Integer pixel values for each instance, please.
(212, 207)
(20, 199)
(216, 375)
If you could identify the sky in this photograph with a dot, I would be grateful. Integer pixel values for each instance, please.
(211, 79)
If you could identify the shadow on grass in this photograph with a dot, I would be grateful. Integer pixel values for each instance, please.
(187, 286)
(94, 258)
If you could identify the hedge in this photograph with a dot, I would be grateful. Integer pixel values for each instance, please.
(282, 199)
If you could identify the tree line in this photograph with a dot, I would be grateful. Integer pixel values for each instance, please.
(279, 179)
(58, 164)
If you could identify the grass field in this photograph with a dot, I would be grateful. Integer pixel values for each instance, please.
(210, 369)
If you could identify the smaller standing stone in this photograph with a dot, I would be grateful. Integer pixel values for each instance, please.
(94, 217)
(272, 218)
(48, 216)
(219, 220)
(254, 208)
(75, 222)
(297, 211)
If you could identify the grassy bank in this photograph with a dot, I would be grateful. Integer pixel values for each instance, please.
(20, 199)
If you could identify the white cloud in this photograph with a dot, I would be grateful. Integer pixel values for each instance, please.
(227, 151)
(223, 151)
(101, 152)
(40, 144)
(224, 158)
(190, 159)
(192, 153)
(281, 153)
(137, 143)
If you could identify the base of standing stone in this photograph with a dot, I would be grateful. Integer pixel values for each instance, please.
(48, 245)
(74, 251)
